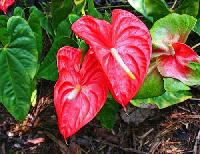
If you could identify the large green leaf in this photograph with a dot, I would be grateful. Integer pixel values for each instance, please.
(60, 10)
(151, 9)
(73, 18)
(175, 93)
(19, 12)
(64, 29)
(153, 85)
(188, 7)
(44, 20)
(3, 30)
(18, 64)
(48, 68)
(194, 77)
(92, 10)
(171, 29)
(34, 23)
(107, 115)
(197, 27)
(173, 85)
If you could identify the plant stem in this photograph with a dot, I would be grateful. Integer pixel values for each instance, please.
(174, 4)
(196, 45)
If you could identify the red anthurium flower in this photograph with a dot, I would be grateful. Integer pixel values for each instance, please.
(80, 92)
(123, 49)
(4, 4)
(175, 63)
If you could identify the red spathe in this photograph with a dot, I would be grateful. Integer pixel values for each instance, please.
(74, 110)
(130, 39)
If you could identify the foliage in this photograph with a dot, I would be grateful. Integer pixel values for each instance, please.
(118, 47)
(156, 9)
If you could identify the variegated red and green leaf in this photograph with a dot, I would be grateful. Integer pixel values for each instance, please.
(79, 93)
(4, 4)
(123, 49)
(172, 55)
(171, 29)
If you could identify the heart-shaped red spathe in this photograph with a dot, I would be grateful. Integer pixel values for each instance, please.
(80, 92)
(175, 64)
(123, 49)
(4, 4)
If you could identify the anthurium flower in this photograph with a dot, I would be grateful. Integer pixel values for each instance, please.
(80, 91)
(4, 4)
(123, 49)
(173, 57)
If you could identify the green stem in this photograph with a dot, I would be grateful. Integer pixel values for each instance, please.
(174, 4)
(196, 45)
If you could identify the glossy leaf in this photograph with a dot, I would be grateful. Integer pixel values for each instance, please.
(73, 18)
(64, 29)
(92, 10)
(149, 8)
(18, 61)
(79, 93)
(44, 20)
(3, 30)
(188, 7)
(4, 5)
(34, 23)
(197, 27)
(18, 11)
(176, 92)
(60, 10)
(153, 85)
(170, 29)
(108, 114)
(123, 49)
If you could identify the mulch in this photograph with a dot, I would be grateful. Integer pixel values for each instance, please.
(172, 130)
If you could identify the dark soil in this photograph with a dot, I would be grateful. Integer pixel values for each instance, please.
(173, 130)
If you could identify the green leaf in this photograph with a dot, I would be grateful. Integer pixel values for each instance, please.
(171, 29)
(4, 39)
(19, 12)
(194, 76)
(175, 93)
(60, 10)
(107, 17)
(92, 10)
(197, 27)
(173, 85)
(73, 18)
(48, 69)
(64, 29)
(107, 115)
(165, 100)
(188, 7)
(151, 9)
(44, 21)
(34, 23)
(153, 85)
(18, 64)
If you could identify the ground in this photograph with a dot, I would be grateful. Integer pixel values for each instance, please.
(172, 130)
